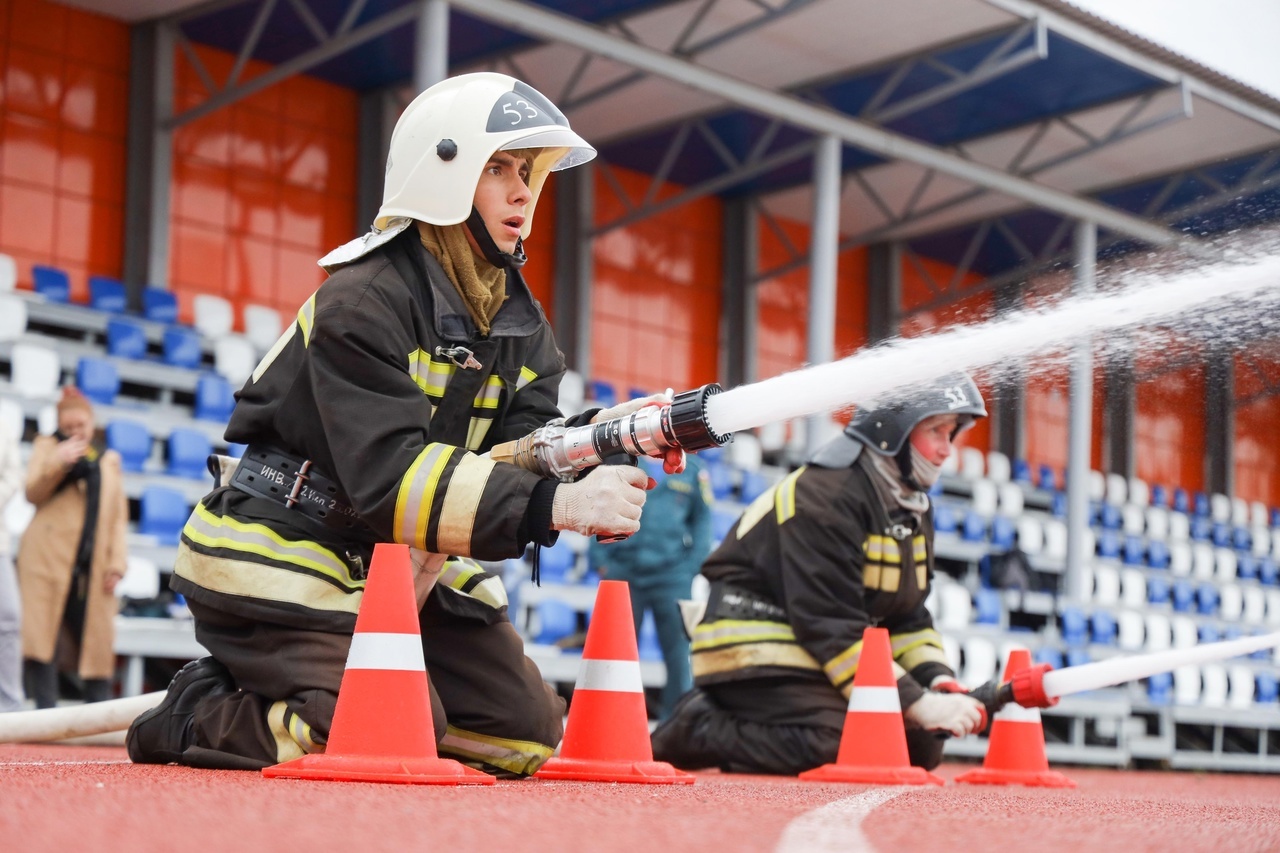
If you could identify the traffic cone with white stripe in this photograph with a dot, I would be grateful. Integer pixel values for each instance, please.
(382, 726)
(873, 745)
(1015, 749)
(607, 736)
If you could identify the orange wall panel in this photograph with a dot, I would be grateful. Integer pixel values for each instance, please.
(1048, 416)
(1169, 429)
(64, 78)
(1257, 453)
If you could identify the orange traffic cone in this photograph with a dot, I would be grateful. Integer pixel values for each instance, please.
(873, 745)
(607, 736)
(382, 728)
(1015, 750)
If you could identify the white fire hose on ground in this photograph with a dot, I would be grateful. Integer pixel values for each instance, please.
(75, 721)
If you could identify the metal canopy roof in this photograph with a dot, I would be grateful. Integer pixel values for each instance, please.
(1039, 90)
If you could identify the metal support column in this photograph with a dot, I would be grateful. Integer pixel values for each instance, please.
(1081, 417)
(149, 164)
(884, 291)
(431, 49)
(377, 120)
(575, 213)
(823, 258)
(739, 316)
(1120, 414)
(1220, 421)
(1008, 409)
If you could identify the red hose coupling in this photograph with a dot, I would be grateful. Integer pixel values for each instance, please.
(1028, 687)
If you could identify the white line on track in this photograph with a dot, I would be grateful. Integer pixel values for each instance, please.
(837, 826)
(57, 763)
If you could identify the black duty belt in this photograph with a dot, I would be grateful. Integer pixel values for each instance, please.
(296, 485)
(731, 602)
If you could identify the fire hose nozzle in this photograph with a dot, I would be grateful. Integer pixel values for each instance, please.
(1028, 687)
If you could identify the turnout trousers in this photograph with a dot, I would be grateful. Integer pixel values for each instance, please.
(490, 707)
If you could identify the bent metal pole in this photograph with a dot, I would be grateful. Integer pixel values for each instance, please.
(75, 720)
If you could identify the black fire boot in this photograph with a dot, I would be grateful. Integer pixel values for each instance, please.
(684, 740)
(161, 735)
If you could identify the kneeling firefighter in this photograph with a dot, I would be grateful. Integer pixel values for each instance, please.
(369, 421)
(841, 544)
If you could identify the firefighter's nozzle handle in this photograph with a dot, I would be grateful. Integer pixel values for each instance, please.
(561, 452)
(1026, 688)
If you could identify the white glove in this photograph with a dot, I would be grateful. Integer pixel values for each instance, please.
(946, 712)
(623, 409)
(606, 501)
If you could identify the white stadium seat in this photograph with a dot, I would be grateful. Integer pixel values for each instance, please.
(1117, 490)
(1185, 634)
(1240, 693)
(979, 660)
(773, 437)
(1159, 632)
(1131, 632)
(1273, 606)
(1055, 539)
(1134, 521)
(234, 358)
(262, 326)
(1202, 561)
(955, 606)
(8, 273)
(972, 463)
(12, 418)
(1258, 515)
(984, 500)
(1030, 534)
(1220, 508)
(13, 316)
(744, 452)
(1180, 558)
(1239, 512)
(1106, 585)
(1261, 536)
(141, 579)
(1224, 560)
(998, 468)
(1157, 523)
(1097, 486)
(1179, 527)
(1214, 685)
(1231, 602)
(1254, 605)
(1186, 685)
(37, 370)
(1133, 588)
(572, 393)
(1139, 492)
(213, 316)
(1010, 499)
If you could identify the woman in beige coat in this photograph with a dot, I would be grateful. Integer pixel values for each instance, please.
(72, 556)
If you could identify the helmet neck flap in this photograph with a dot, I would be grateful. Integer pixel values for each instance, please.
(489, 247)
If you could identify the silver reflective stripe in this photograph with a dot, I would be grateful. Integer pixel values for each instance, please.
(615, 676)
(877, 700)
(386, 651)
(417, 491)
(1015, 713)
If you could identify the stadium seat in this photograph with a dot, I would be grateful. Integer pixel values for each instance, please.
(159, 306)
(12, 419)
(1230, 602)
(1208, 633)
(980, 660)
(181, 347)
(1160, 688)
(1009, 499)
(1159, 632)
(1186, 685)
(1139, 492)
(1058, 505)
(984, 500)
(262, 326)
(556, 620)
(36, 370)
(1157, 591)
(1106, 585)
(1003, 532)
(1180, 559)
(555, 563)
(1220, 508)
(234, 358)
(1268, 572)
(601, 393)
(1241, 539)
(1134, 551)
(1157, 554)
(944, 518)
(1030, 535)
(1257, 514)
(1109, 544)
(1055, 540)
(744, 452)
(1225, 564)
(1214, 685)
(1130, 631)
(973, 463)
(1181, 503)
(722, 522)
(1201, 529)
(975, 528)
(8, 273)
(1202, 561)
(13, 316)
(1104, 628)
(189, 451)
(754, 484)
(1022, 472)
(1247, 568)
(1097, 487)
(212, 315)
(1179, 527)
(988, 608)
(1183, 596)
(1254, 605)
(1077, 656)
(999, 469)
(1117, 490)
(163, 512)
(954, 605)
(141, 579)
(1200, 505)
(1133, 588)
(107, 294)
(215, 398)
(1159, 496)
(1074, 626)
(1049, 655)
(1220, 534)
(1133, 520)
(98, 379)
(722, 479)
(1273, 605)
(1185, 632)
(126, 338)
(1267, 688)
(1157, 523)
(1046, 479)
(1260, 539)
(1111, 517)
(132, 440)
(51, 283)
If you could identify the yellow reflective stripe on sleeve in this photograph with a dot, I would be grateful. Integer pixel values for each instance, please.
(843, 666)
(758, 509)
(917, 647)
(417, 492)
(212, 531)
(871, 575)
(490, 394)
(785, 497)
(307, 319)
(526, 376)
(874, 548)
(477, 431)
(431, 376)
(729, 631)
(919, 551)
(892, 551)
(460, 574)
(515, 756)
(458, 514)
(748, 655)
(890, 578)
(922, 577)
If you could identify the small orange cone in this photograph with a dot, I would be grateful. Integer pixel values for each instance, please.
(1015, 749)
(607, 736)
(382, 727)
(873, 745)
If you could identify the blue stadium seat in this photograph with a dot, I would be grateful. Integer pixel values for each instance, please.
(1022, 471)
(1263, 653)
(602, 393)
(1158, 554)
(189, 451)
(721, 476)
(1208, 633)
(1268, 571)
(1049, 655)
(1247, 567)
(650, 648)
(1157, 591)
(1241, 539)
(215, 398)
(1200, 505)
(126, 338)
(1232, 632)
(98, 379)
(1184, 596)
(944, 518)
(132, 441)
(1221, 535)
(987, 607)
(1109, 544)
(1159, 495)
(556, 620)
(636, 393)
(721, 522)
(107, 294)
(1160, 688)
(1134, 549)
(1104, 628)
(753, 485)
(975, 528)
(1058, 505)
(1275, 516)
(236, 450)
(1003, 532)
(181, 347)
(1045, 479)
(51, 282)
(555, 562)
(1077, 656)
(1075, 628)
(160, 306)
(163, 513)
(1267, 688)
(1110, 517)
(1201, 529)
(1180, 501)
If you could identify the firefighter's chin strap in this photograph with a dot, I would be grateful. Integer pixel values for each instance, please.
(492, 254)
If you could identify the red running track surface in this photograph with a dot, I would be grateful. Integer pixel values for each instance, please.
(91, 798)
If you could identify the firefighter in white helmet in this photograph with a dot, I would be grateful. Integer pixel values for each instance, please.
(368, 422)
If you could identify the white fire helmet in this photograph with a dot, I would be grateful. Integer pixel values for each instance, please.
(444, 139)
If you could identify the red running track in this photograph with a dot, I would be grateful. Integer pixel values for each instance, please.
(91, 798)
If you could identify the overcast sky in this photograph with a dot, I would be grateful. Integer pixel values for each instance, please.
(1240, 38)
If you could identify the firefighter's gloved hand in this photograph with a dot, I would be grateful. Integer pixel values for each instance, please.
(954, 713)
(947, 684)
(607, 501)
(673, 459)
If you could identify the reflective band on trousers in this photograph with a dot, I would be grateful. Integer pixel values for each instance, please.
(617, 676)
(1015, 713)
(386, 651)
(878, 700)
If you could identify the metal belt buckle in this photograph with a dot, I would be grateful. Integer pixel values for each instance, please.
(461, 356)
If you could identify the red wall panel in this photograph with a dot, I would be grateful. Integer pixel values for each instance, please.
(1257, 461)
(1169, 428)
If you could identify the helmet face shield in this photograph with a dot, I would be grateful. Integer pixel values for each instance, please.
(886, 428)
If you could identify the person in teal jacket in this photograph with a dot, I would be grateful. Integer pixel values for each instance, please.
(660, 560)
